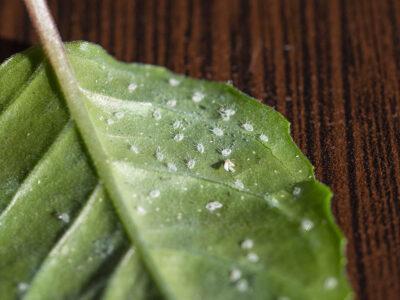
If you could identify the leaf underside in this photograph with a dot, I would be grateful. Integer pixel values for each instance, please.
(217, 202)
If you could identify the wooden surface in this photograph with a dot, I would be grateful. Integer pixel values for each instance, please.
(331, 67)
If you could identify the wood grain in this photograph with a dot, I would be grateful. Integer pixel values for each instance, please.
(332, 67)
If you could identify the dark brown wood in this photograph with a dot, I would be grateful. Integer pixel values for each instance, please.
(332, 67)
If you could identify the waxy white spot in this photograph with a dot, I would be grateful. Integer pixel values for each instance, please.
(330, 283)
(172, 167)
(252, 257)
(235, 275)
(132, 87)
(177, 124)
(197, 97)
(174, 82)
(140, 210)
(110, 121)
(190, 163)
(307, 224)
(200, 148)
(178, 137)
(154, 193)
(22, 287)
(226, 113)
(134, 149)
(171, 103)
(229, 166)
(157, 114)
(296, 191)
(247, 126)
(217, 131)
(242, 285)
(159, 154)
(226, 152)
(239, 184)
(213, 206)
(247, 244)
(271, 200)
(263, 137)
(64, 217)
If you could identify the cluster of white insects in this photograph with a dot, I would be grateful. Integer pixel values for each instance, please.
(178, 127)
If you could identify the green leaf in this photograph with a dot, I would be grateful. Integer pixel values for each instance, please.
(169, 145)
